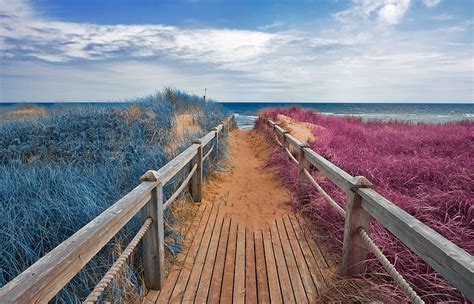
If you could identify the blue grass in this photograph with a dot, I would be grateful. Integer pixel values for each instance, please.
(59, 171)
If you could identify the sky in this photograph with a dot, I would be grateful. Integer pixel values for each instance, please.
(260, 50)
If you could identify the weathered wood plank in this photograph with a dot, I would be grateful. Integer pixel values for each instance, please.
(194, 233)
(198, 264)
(283, 275)
(250, 268)
(168, 171)
(338, 176)
(295, 278)
(301, 263)
(272, 272)
(153, 241)
(41, 281)
(188, 267)
(207, 138)
(308, 234)
(206, 276)
(454, 264)
(218, 272)
(239, 273)
(228, 280)
(293, 141)
(314, 268)
(261, 269)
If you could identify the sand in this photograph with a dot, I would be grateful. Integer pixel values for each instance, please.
(303, 131)
(248, 191)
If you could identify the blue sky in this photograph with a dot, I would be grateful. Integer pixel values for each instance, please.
(334, 50)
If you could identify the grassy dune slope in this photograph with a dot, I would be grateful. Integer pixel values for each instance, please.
(60, 170)
(425, 169)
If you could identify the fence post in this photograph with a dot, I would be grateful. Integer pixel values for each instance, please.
(217, 140)
(196, 180)
(303, 163)
(284, 142)
(153, 241)
(354, 250)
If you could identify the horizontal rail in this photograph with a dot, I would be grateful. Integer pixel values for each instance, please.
(181, 187)
(207, 138)
(168, 171)
(455, 264)
(42, 280)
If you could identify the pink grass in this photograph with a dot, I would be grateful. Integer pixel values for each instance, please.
(428, 170)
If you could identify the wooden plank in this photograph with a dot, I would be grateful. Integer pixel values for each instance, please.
(228, 280)
(272, 272)
(295, 278)
(189, 263)
(308, 234)
(280, 130)
(42, 280)
(338, 176)
(293, 141)
(250, 268)
(195, 186)
(168, 171)
(198, 266)
(206, 276)
(302, 263)
(207, 138)
(283, 275)
(263, 294)
(354, 250)
(154, 242)
(194, 233)
(316, 274)
(452, 262)
(239, 274)
(218, 272)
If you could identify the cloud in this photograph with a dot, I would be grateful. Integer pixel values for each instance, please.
(358, 56)
(431, 3)
(28, 35)
(386, 11)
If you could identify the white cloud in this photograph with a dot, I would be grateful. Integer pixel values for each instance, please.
(364, 58)
(443, 17)
(387, 11)
(431, 3)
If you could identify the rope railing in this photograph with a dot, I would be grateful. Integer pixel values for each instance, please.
(396, 276)
(118, 265)
(323, 193)
(208, 153)
(291, 156)
(181, 188)
(278, 141)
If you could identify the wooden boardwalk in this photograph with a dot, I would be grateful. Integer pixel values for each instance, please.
(229, 262)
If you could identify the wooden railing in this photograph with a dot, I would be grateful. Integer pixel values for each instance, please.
(45, 278)
(365, 204)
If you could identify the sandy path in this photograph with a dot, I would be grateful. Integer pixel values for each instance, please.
(248, 191)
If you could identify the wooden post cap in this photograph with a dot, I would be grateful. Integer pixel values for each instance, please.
(197, 141)
(149, 176)
(361, 182)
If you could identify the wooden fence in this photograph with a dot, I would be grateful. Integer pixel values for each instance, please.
(365, 204)
(45, 278)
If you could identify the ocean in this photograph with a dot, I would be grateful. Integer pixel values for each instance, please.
(247, 112)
